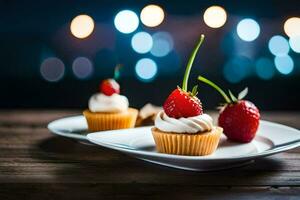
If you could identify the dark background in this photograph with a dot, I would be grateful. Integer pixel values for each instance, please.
(31, 31)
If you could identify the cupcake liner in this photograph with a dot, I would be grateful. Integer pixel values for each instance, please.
(110, 121)
(198, 144)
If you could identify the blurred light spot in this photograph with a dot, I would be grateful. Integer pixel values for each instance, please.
(292, 26)
(215, 16)
(278, 45)
(146, 69)
(162, 44)
(82, 67)
(264, 68)
(52, 69)
(82, 26)
(295, 43)
(248, 29)
(152, 15)
(126, 21)
(284, 64)
(236, 69)
(142, 42)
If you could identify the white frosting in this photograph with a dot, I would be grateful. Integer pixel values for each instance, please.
(101, 103)
(200, 123)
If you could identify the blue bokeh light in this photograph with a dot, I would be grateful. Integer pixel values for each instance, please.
(279, 46)
(265, 68)
(236, 69)
(126, 21)
(142, 42)
(295, 43)
(248, 29)
(284, 64)
(162, 44)
(146, 69)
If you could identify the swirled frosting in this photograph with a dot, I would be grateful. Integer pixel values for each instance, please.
(101, 103)
(200, 123)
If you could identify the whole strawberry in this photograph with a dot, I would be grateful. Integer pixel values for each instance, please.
(240, 121)
(239, 118)
(181, 102)
(109, 87)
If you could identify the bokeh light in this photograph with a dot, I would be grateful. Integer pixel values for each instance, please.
(82, 26)
(264, 68)
(52, 69)
(248, 29)
(162, 44)
(82, 67)
(142, 42)
(284, 64)
(278, 45)
(292, 26)
(146, 69)
(237, 68)
(215, 16)
(295, 43)
(126, 21)
(152, 15)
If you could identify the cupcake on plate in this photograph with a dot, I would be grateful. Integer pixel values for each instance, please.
(181, 127)
(108, 110)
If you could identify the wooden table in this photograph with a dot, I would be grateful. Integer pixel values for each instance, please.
(34, 164)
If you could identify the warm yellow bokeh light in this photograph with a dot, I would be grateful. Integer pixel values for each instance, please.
(152, 15)
(215, 16)
(82, 26)
(292, 26)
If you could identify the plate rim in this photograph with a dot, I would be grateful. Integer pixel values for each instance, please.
(61, 133)
(198, 158)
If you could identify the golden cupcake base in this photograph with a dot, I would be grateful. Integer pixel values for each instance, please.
(110, 121)
(198, 144)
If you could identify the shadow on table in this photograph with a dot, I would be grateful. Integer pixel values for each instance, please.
(87, 163)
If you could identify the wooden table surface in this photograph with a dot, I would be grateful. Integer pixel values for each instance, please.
(34, 164)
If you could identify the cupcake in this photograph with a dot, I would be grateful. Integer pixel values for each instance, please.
(182, 127)
(108, 110)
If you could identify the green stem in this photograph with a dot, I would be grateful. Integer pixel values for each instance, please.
(117, 71)
(201, 78)
(190, 63)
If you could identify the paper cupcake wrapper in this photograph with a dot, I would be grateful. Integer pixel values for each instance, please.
(110, 121)
(187, 144)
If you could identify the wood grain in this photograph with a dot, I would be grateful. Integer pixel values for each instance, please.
(34, 164)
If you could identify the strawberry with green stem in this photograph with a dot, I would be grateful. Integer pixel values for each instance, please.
(239, 118)
(181, 102)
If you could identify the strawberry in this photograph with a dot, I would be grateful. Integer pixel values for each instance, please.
(109, 87)
(240, 121)
(181, 102)
(239, 118)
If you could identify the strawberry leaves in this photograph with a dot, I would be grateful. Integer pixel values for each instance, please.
(243, 93)
(233, 98)
(195, 90)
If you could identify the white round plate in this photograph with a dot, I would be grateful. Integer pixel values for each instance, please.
(71, 127)
(271, 138)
